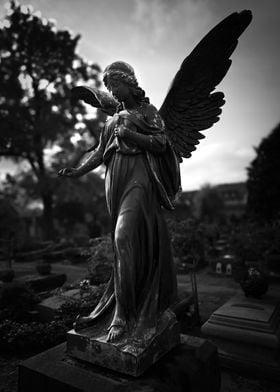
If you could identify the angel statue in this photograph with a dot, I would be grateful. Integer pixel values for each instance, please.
(141, 148)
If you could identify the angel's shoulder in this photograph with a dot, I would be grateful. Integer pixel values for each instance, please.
(149, 109)
(152, 115)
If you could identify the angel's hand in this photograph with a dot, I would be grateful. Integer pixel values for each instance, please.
(68, 172)
(122, 131)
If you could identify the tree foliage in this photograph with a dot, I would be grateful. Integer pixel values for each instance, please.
(264, 179)
(82, 201)
(209, 204)
(38, 68)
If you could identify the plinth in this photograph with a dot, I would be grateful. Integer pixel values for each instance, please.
(131, 354)
(247, 334)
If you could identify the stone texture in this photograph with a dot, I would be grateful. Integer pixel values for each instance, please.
(49, 306)
(191, 366)
(247, 333)
(130, 355)
(245, 320)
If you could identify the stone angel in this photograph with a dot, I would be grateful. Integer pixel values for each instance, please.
(141, 148)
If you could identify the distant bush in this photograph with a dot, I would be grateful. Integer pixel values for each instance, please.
(19, 335)
(189, 240)
(16, 301)
(101, 260)
(253, 242)
(11, 224)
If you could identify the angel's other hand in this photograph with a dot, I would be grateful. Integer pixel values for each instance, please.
(68, 172)
(122, 131)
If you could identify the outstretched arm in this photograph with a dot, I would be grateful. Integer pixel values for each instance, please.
(94, 160)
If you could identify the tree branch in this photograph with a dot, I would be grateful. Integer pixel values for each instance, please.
(32, 164)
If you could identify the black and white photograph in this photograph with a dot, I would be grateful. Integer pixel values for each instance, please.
(139, 196)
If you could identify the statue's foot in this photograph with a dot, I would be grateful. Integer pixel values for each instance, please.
(115, 332)
(82, 322)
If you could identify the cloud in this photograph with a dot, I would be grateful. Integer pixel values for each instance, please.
(151, 17)
(163, 20)
(215, 163)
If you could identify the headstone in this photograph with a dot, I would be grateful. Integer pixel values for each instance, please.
(219, 268)
(43, 282)
(49, 306)
(247, 333)
(229, 269)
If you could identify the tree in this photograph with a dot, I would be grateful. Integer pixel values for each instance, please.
(79, 201)
(264, 179)
(82, 201)
(39, 66)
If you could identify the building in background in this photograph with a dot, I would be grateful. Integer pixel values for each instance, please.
(233, 196)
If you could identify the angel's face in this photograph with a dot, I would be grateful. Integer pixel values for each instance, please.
(119, 89)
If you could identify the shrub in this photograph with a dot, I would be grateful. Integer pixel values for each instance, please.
(70, 310)
(188, 240)
(101, 260)
(252, 242)
(30, 338)
(16, 301)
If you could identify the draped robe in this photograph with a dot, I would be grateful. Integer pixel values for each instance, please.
(140, 180)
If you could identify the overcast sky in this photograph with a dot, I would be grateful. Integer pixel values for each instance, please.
(154, 36)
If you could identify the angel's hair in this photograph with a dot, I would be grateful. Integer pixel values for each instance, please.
(122, 71)
(138, 94)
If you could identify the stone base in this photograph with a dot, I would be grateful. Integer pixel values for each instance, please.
(130, 355)
(191, 366)
(247, 334)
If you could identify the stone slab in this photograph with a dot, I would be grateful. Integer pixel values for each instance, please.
(247, 320)
(256, 362)
(49, 306)
(43, 282)
(192, 366)
(131, 354)
(246, 332)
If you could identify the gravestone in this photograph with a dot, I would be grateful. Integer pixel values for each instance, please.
(43, 282)
(247, 334)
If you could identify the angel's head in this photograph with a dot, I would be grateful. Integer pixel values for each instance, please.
(119, 78)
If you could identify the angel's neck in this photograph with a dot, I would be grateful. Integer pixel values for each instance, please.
(130, 103)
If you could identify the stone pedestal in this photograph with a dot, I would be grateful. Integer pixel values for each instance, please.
(247, 333)
(131, 354)
(191, 366)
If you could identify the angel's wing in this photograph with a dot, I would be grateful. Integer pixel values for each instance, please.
(190, 105)
(97, 98)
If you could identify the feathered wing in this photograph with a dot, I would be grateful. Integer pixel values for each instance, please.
(97, 98)
(191, 105)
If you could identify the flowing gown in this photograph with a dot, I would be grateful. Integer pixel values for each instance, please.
(143, 283)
